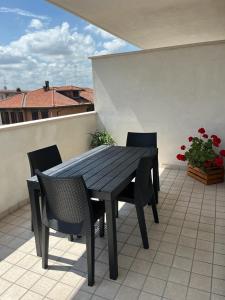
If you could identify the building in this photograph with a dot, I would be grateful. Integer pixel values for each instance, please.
(45, 103)
(5, 93)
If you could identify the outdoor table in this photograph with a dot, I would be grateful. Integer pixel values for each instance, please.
(107, 170)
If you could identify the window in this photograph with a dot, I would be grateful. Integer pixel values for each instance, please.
(44, 114)
(13, 117)
(34, 115)
(20, 116)
(76, 94)
(5, 117)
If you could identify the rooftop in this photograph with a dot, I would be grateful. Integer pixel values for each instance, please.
(48, 98)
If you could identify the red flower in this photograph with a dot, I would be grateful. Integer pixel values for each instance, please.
(183, 147)
(190, 138)
(222, 152)
(213, 136)
(181, 157)
(205, 136)
(218, 161)
(201, 130)
(216, 141)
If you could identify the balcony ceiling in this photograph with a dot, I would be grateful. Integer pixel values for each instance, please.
(154, 23)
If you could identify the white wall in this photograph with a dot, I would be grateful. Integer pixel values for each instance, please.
(172, 91)
(70, 133)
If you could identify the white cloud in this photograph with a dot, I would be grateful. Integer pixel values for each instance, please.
(36, 24)
(98, 31)
(22, 12)
(59, 54)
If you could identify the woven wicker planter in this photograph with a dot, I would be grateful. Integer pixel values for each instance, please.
(211, 176)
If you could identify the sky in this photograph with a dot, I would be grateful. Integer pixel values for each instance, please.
(39, 41)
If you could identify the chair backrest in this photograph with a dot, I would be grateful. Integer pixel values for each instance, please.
(143, 190)
(141, 139)
(65, 199)
(44, 159)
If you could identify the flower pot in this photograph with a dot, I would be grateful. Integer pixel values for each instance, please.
(210, 176)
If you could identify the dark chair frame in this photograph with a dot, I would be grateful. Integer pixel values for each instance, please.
(68, 208)
(141, 193)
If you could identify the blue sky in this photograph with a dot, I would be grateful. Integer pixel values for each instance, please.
(39, 41)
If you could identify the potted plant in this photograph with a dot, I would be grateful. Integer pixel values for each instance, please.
(205, 161)
(101, 138)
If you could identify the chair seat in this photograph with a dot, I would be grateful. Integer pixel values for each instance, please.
(127, 195)
(98, 209)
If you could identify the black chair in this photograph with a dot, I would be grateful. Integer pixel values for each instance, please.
(140, 139)
(140, 193)
(67, 208)
(42, 160)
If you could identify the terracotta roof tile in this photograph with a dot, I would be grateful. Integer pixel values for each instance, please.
(50, 98)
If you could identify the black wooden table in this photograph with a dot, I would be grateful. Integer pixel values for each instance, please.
(106, 170)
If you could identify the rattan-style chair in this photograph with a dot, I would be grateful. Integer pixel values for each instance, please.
(140, 193)
(143, 139)
(67, 208)
(42, 160)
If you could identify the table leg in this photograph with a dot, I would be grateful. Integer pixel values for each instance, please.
(112, 241)
(155, 178)
(36, 216)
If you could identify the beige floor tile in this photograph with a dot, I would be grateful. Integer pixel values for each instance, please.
(204, 256)
(134, 280)
(141, 266)
(129, 250)
(154, 285)
(32, 296)
(163, 258)
(125, 261)
(60, 291)
(14, 292)
(219, 259)
(184, 251)
(28, 279)
(200, 282)
(202, 268)
(182, 263)
(107, 289)
(175, 291)
(194, 294)
(179, 276)
(13, 274)
(218, 271)
(159, 271)
(4, 285)
(218, 286)
(147, 296)
(127, 293)
(43, 286)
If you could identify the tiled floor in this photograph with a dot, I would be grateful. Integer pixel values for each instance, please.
(186, 259)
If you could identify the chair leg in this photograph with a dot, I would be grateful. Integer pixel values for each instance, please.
(158, 183)
(117, 209)
(101, 226)
(45, 245)
(155, 213)
(142, 225)
(90, 243)
(70, 238)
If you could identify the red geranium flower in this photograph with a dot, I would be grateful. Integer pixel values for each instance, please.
(201, 130)
(216, 141)
(222, 152)
(213, 136)
(183, 147)
(190, 138)
(181, 157)
(205, 136)
(218, 161)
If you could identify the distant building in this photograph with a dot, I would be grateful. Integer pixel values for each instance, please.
(5, 93)
(46, 102)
